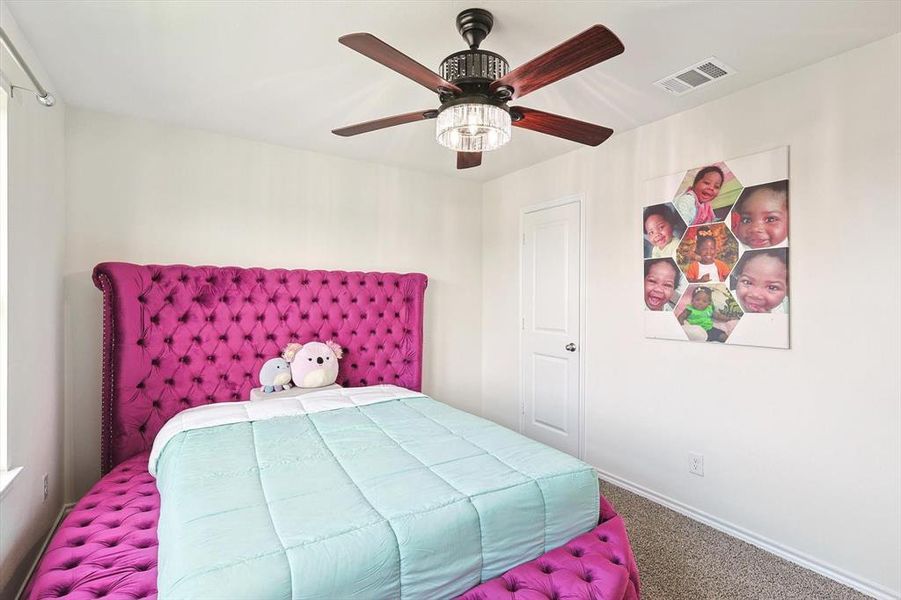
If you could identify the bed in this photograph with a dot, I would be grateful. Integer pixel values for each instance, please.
(179, 337)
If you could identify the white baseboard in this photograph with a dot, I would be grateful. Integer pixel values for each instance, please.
(34, 563)
(864, 586)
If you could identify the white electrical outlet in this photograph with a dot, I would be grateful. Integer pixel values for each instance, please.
(696, 463)
(46, 486)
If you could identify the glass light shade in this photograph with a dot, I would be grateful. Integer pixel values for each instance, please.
(473, 127)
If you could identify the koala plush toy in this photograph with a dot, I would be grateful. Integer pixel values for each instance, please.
(275, 375)
(314, 364)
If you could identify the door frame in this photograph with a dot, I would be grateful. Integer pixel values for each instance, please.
(577, 198)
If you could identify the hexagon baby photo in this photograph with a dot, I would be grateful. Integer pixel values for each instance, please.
(708, 313)
(760, 281)
(759, 218)
(707, 253)
(663, 284)
(662, 229)
(706, 194)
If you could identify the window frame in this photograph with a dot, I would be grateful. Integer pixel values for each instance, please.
(6, 471)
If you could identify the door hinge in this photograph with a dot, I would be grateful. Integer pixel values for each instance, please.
(524, 238)
(523, 323)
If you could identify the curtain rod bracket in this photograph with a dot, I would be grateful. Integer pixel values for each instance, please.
(46, 99)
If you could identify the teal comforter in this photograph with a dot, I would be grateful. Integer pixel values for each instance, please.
(403, 498)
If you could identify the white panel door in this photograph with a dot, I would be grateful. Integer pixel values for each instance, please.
(550, 326)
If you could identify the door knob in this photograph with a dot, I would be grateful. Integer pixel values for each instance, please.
(570, 347)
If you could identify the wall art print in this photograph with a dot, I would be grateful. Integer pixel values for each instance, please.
(715, 248)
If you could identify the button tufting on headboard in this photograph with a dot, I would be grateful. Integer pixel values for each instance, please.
(179, 336)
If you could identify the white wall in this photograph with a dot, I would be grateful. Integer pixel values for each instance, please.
(35, 387)
(142, 192)
(801, 446)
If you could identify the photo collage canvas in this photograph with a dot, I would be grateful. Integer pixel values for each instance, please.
(716, 252)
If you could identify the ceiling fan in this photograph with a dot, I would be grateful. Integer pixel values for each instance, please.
(474, 87)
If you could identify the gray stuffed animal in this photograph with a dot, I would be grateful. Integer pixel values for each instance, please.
(275, 375)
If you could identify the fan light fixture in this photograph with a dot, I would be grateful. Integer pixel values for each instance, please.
(473, 127)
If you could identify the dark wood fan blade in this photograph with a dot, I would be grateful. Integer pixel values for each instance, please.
(562, 127)
(359, 128)
(467, 160)
(590, 47)
(371, 46)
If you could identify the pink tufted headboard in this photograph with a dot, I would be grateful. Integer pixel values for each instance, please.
(177, 336)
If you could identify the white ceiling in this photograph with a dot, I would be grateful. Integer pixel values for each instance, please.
(274, 71)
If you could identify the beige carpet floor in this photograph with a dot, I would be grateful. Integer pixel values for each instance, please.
(681, 559)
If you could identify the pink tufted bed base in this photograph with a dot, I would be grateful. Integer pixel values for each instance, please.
(179, 336)
(106, 547)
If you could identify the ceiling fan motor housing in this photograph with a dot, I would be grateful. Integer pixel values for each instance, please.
(473, 66)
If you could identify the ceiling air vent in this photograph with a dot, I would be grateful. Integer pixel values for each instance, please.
(695, 76)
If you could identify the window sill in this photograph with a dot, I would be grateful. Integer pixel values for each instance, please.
(6, 480)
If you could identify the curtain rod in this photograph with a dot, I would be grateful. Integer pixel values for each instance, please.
(42, 94)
